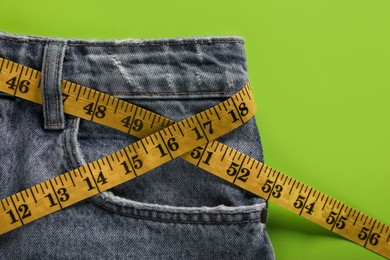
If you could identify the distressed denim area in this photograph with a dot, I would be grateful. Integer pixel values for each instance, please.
(176, 211)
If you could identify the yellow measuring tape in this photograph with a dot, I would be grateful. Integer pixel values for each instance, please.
(163, 140)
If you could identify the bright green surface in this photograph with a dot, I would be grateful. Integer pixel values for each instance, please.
(320, 70)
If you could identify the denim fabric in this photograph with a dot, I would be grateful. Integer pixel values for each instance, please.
(176, 211)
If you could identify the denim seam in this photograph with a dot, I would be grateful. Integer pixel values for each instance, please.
(222, 222)
(75, 149)
(54, 124)
(150, 95)
(170, 93)
(79, 160)
(65, 148)
(56, 84)
(145, 42)
(192, 214)
(45, 90)
(186, 213)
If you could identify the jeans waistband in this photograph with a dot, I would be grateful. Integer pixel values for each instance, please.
(160, 68)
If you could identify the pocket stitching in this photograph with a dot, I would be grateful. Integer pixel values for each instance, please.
(220, 222)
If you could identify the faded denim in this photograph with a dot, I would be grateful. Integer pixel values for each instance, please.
(176, 211)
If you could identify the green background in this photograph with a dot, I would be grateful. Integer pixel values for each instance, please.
(320, 71)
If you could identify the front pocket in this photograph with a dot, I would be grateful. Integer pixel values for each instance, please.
(182, 211)
(176, 183)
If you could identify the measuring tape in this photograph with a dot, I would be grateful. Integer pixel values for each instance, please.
(162, 140)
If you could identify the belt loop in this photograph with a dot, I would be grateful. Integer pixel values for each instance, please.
(53, 57)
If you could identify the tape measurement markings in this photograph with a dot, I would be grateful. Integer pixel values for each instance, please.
(162, 140)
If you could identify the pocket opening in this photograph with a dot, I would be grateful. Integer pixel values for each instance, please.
(240, 206)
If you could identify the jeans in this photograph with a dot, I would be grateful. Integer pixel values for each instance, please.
(176, 211)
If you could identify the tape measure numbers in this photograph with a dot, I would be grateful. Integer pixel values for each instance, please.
(163, 140)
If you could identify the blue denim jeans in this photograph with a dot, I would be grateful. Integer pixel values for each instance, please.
(176, 211)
